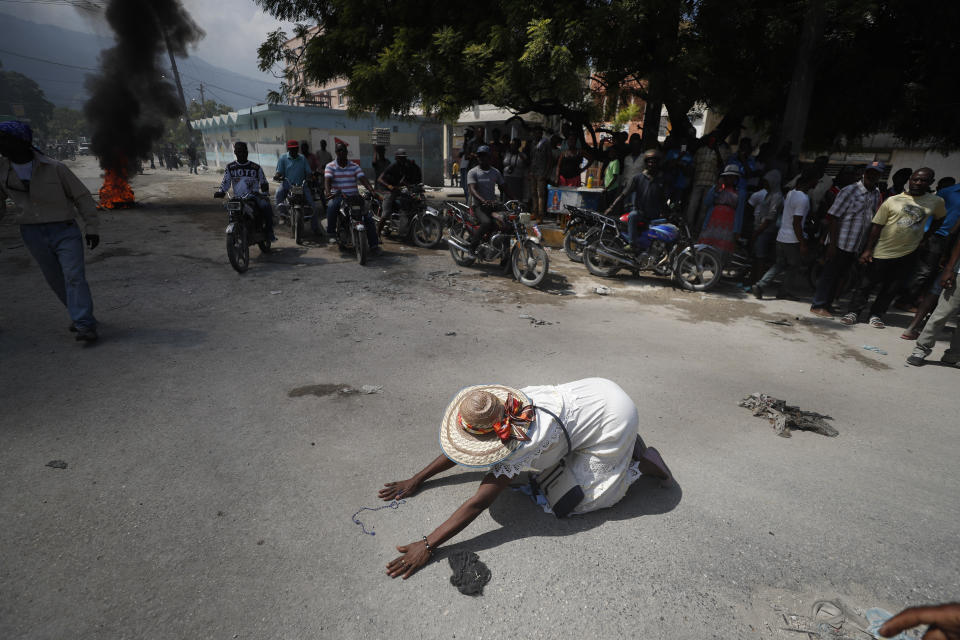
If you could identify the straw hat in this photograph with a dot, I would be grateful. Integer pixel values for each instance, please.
(473, 410)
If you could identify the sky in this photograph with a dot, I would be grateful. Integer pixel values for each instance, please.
(235, 28)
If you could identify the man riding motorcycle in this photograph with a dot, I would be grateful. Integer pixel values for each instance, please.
(247, 177)
(293, 169)
(648, 203)
(342, 176)
(482, 181)
(401, 172)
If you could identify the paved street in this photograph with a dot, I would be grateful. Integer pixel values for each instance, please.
(214, 466)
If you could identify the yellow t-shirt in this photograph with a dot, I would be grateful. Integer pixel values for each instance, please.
(903, 218)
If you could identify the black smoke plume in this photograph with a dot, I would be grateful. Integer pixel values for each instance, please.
(133, 94)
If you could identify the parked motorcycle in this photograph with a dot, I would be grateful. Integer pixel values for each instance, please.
(508, 243)
(351, 226)
(581, 227)
(246, 227)
(424, 225)
(666, 248)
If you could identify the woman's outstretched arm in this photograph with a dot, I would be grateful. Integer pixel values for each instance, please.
(417, 554)
(407, 488)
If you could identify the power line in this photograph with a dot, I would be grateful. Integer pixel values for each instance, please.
(242, 95)
(59, 64)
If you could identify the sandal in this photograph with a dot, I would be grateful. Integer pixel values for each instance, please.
(877, 323)
(848, 319)
(910, 335)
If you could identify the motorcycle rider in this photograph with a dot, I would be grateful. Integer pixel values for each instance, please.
(247, 177)
(482, 182)
(402, 171)
(343, 175)
(649, 200)
(292, 169)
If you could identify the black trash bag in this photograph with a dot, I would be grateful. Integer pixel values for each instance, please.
(469, 574)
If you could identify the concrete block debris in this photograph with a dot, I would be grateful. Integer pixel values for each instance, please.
(786, 418)
(603, 291)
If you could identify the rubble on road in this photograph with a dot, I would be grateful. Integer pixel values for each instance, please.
(785, 417)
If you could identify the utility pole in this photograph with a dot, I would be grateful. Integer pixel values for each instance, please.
(203, 102)
(176, 76)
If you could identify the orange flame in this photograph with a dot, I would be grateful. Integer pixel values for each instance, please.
(116, 192)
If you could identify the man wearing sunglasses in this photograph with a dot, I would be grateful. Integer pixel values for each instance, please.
(50, 198)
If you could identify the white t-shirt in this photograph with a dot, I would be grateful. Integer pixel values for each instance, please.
(757, 198)
(24, 171)
(796, 205)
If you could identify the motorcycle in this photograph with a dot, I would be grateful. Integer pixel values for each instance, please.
(246, 227)
(581, 227)
(508, 243)
(351, 226)
(424, 225)
(293, 212)
(666, 248)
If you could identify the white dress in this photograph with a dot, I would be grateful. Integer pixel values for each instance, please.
(602, 422)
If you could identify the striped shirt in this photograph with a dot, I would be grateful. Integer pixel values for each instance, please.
(854, 209)
(344, 179)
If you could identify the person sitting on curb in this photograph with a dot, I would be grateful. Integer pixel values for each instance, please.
(947, 307)
(51, 198)
(592, 424)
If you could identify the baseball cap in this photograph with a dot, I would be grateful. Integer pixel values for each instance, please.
(293, 144)
(400, 152)
(483, 149)
(877, 166)
(731, 170)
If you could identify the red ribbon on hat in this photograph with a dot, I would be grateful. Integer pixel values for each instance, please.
(517, 417)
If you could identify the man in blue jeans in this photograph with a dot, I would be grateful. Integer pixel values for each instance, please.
(292, 169)
(340, 178)
(51, 198)
(647, 189)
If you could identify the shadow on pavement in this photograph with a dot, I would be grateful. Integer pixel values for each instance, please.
(520, 517)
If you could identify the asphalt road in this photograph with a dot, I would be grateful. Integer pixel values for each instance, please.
(214, 468)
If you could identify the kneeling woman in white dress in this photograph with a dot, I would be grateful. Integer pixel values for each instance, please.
(591, 425)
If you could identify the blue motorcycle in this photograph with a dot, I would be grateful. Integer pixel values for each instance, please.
(665, 248)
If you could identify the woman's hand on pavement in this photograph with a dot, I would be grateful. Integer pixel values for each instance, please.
(397, 490)
(415, 555)
(944, 621)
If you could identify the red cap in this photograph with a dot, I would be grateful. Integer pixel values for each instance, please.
(293, 144)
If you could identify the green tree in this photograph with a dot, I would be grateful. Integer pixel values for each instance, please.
(878, 65)
(209, 108)
(67, 124)
(21, 98)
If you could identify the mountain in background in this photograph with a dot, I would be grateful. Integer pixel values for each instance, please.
(63, 85)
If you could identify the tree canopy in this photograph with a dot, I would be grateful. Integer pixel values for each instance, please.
(23, 99)
(879, 65)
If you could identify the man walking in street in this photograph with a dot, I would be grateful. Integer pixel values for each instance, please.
(895, 233)
(51, 198)
(791, 243)
(848, 221)
(947, 307)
